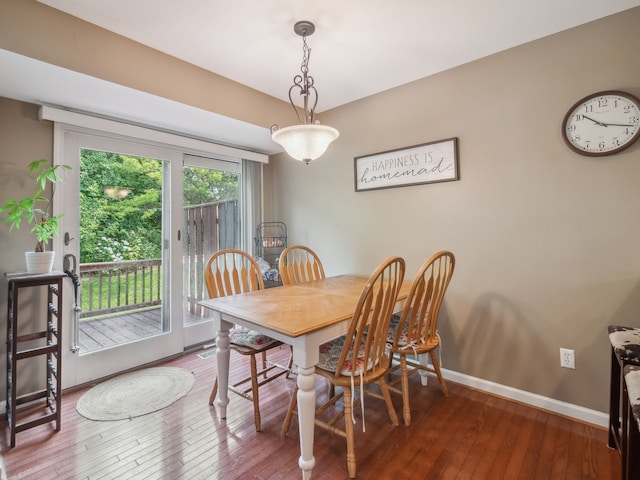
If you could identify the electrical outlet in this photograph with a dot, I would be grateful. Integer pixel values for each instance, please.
(567, 358)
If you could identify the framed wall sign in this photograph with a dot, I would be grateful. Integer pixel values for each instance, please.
(427, 163)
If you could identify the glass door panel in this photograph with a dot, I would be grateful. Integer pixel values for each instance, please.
(117, 224)
(120, 249)
(211, 223)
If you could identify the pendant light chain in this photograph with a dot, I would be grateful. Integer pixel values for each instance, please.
(304, 84)
(306, 56)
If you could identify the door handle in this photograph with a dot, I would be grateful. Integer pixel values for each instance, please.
(67, 239)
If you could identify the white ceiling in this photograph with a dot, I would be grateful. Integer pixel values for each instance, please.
(360, 47)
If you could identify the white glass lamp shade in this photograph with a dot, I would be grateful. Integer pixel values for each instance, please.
(305, 142)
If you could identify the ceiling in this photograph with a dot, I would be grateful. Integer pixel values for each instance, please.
(360, 47)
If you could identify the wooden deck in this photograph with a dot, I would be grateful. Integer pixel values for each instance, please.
(468, 436)
(124, 328)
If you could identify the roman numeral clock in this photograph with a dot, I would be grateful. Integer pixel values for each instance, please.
(603, 123)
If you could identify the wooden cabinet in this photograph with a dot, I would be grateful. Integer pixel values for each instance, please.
(42, 406)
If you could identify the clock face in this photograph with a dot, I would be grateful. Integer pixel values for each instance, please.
(602, 123)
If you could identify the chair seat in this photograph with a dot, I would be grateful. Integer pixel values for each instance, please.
(403, 339)
(630, 436)
(626, 343)
(625, 350)
(243, 337)
(330, 354)
(632, 377)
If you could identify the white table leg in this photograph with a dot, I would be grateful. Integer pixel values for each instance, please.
(306, 416)
(222, 357)
(424, 361)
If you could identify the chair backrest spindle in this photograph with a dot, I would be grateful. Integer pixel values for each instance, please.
(425, 298)
(299, 264)
(230, 272)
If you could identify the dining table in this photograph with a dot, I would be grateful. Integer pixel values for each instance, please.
(305, 316)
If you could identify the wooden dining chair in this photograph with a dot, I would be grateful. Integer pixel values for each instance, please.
(231, 272)
(413, 333)
(299, 264)
(359, 358)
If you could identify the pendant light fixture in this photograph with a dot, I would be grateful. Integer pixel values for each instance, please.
(308, 140)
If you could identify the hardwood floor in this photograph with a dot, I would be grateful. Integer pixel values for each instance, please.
(117, 329)
(108, 331)
(469, 435)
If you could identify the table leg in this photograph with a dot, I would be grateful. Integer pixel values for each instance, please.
(424, 376)
(222, 357)
(306, 416)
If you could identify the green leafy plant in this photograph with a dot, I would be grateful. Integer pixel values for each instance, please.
(36, 209)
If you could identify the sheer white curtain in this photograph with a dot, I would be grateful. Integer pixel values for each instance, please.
(251, 204)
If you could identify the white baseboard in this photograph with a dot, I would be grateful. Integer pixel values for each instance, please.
(594, 417)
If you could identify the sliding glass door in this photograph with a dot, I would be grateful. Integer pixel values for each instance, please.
(142, 212)
(120, 238)
(211, 222)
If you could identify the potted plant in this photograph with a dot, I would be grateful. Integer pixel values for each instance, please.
(36, 210)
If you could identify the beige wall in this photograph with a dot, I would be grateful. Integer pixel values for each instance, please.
(546, 240)
(38, 31)
(23, 139)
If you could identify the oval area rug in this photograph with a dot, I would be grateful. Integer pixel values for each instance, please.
(135, 393)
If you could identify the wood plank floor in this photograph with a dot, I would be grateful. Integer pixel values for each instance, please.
(469, 435)
(108, 331)
(117, 329)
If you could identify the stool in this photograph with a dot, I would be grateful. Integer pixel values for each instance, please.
(625, 350)
(631, 423)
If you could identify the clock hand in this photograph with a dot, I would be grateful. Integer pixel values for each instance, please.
(596, 121)
(621, 125)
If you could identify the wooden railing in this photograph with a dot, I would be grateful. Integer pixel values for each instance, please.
(112, 287)
(207, 229)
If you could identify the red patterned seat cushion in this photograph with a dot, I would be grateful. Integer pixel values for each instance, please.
(249, 338)
(330, 354)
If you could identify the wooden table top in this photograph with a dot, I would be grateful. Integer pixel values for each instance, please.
(296, 310)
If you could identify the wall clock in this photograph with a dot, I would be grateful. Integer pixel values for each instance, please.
(602, 123)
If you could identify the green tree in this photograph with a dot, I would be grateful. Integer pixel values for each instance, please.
(202, 185)
(121, 203)
(121, 207)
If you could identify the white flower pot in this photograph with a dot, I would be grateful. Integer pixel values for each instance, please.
(39, 262)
